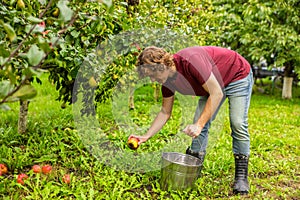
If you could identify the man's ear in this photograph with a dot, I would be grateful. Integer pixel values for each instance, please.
(161, 67)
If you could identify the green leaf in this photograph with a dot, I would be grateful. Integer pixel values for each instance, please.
(5, 88)
(34, 19)
(65, 13)
(38, 72)
(25, 92)
(43, 2)
(3, 51)
(75, 34)
(108, 3)
(2, 60)
(45, 47)
(10, 31)
(35, 55)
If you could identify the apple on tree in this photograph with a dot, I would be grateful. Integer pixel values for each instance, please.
(20, 4)
(55, 13)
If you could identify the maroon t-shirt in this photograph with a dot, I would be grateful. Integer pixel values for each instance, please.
(195, 64)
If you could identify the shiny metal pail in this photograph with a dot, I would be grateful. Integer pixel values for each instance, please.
(179, 171)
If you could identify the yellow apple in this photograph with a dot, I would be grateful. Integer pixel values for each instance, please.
(55, 13)
(20, 4)
(133, 143)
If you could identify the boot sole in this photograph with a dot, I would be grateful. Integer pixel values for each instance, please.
(241, 192)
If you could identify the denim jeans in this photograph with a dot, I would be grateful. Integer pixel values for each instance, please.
(239, 95)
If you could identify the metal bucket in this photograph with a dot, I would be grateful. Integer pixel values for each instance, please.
(179, 171)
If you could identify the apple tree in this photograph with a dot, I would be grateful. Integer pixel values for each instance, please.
(47, 36)
(264, 29)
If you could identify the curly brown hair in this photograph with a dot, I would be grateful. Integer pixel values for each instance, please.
(155, 59)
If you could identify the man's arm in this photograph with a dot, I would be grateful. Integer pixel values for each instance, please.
(160, 120)
(214, 89)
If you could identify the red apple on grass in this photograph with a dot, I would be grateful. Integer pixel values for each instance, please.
(133, 143)
(21, 177)
(66, 178)
(36, 169)
(3, 169)
(46, 169)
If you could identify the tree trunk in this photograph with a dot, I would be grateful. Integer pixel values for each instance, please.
(287, 87)
(22, 124)
(288, 80)
(131, 98)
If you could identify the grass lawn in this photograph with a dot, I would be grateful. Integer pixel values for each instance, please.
(52, 139)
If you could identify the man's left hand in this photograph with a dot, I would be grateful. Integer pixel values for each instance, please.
(192, 130)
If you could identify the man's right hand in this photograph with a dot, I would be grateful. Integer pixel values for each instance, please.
(140, 138)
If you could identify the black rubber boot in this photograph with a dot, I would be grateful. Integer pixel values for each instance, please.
(200, 155)
(241, 185)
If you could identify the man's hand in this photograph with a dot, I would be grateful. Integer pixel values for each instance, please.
(140, 138)
(192, 130)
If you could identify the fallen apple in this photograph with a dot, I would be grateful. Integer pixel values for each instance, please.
(46, 169)
(66, 178)
(21, 177)
(3, 169)
(36, 169)
(133, 143)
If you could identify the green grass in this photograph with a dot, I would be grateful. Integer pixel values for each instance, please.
(52, 139)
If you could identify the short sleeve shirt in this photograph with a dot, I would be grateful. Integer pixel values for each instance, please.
(194, 65)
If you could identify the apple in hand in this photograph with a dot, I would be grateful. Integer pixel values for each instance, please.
(36, 169)
(46, 169)
(21, 177)
(3, 169)
(133, 143)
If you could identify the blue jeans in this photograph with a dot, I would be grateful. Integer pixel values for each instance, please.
(239, 95)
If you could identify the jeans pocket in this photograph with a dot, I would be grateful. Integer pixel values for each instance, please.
(241, 87)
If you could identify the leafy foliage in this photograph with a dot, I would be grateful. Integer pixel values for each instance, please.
(53, 36)
(267, 29)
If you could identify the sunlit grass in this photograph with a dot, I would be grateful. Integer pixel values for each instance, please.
(51, 138)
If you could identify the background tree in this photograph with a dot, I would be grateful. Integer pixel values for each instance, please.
(268, 29)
